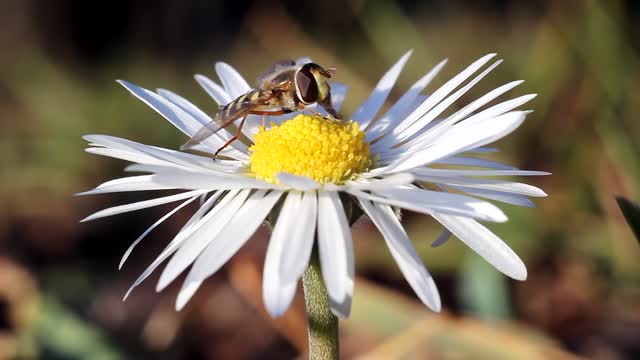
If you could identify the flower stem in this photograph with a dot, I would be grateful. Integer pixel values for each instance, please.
(322, 324)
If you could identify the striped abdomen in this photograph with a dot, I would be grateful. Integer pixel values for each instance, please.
(244, 104)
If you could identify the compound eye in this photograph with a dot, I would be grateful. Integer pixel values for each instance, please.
(306, 84)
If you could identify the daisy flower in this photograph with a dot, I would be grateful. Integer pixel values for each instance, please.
(312, 171)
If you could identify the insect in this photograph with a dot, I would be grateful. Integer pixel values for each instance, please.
(284, 88)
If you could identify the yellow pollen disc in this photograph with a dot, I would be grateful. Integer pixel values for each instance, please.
(326, 150)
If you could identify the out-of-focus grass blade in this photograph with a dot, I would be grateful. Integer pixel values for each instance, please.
(386, 324)
(631, 212)
(61, 334)
(446, 338)
(484, 290)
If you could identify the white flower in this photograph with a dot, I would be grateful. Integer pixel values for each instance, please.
(399, 149)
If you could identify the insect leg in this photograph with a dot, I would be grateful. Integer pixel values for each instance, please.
(271, 113)
(303, 107)
(233, 138)
(275, 112)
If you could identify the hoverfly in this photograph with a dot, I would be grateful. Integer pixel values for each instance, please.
(284, 88)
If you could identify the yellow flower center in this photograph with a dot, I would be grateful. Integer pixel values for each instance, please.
(326, 150)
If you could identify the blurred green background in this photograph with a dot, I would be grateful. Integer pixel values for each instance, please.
(60, 291)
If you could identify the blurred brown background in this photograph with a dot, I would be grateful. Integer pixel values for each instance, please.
(60, 291)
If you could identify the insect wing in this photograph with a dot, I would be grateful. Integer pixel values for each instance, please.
(234, 110)
(272, 71)
(204, 132)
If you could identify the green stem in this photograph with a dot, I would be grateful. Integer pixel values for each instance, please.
(322, 324)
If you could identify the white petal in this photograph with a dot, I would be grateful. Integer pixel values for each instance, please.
(178, 117)
(296, 182)
(300, 239)
(496, 110)
(219, 170)
(391, 181)
(277, 302)
(191, 161)
(123, 155)
(464, 127)
(508, 198)
(450, 172)
(205, 181)
(447, 202)
(243, 224)
(236, 149)
(465, 138)
(486, 244)
(120, 148)
(205, 206)
(198, 240)
(440, 94)
(141, 205)
(392, 116)
(232, 81)
(442, 238)
(130, 183)
(172, 112)
(338, 94)
(428, 202)
(303, 60)
(378, 145)
(499, 109)
(336, 252)
(158, 155)
(187, 291)
(155, 224)
(170, 157)
(486, 184)
(277, 293)
(489, 113)
(442, 106)
(365, 113)
(107, 141)
(403, 252)
(214, 90)
(178, 240)
(169, 168)
(490, 96)
(446, 124)
(472, 161)
(187, 106)
(485, 150)
(389, 150)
